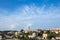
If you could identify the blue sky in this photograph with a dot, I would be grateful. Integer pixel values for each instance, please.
(36, 14)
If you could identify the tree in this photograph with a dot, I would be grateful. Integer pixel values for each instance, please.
(48, 31)
(58, 35)
(51, 34)
(22, 30)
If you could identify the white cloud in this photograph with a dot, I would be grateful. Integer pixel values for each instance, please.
(28, 25)
(28, 15)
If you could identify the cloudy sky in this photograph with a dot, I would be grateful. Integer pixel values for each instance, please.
(36, 14)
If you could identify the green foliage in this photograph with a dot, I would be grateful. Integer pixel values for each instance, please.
(30, 33)
(51, 34)
(58, 35)
(24, 38)
(22, 30)
(40, 34)
(48, 31)
(16, 36)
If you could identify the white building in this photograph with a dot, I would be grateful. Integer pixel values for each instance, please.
(33, 35)
(56, 30)
(45, 36)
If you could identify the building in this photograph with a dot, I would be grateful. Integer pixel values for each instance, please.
(38, 30)
(45, 36)
(34, 34)
(56, 30)
(0, 35)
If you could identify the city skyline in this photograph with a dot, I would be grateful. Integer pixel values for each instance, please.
(36, 14)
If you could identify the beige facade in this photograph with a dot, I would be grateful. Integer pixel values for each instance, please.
(45, 36)
(56, 30)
